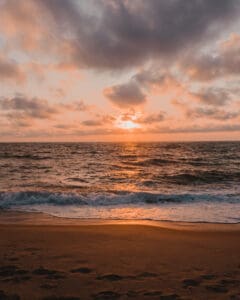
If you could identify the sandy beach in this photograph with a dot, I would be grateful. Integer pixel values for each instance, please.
(42, 259)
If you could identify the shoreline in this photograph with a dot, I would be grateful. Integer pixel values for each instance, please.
(12, 217)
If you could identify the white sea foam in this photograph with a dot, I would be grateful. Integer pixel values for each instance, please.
(105, 199)
(222, 208)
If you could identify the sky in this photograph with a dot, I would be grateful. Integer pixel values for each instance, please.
(119, 70)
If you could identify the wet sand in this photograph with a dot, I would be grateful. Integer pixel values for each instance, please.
(44, 257)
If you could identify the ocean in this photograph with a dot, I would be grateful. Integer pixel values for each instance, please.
(190, 181)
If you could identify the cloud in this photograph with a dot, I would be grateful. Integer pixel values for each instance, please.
(128, 33)
(11, 71)
(27, 26)
(125, 33)
(171, 49)
(140, 84)
(23, 106)
(225, 62)
(213, 96)
(152, 77)
(125, 95)
(199, 128)
(93, 122)
(154, 80)
(151, 118)
(81, 106)
(162, 83)
(100, 120)
(78, 106)
(211, 113)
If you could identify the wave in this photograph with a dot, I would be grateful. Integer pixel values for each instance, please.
(150, 162)
(24, 156)
(11, 199)
(204, 177)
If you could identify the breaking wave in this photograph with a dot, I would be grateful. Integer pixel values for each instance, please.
(11, 199)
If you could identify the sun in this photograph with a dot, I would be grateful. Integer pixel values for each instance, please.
(128, 120)
(127, 124)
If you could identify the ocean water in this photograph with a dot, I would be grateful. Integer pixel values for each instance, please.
(194, 182)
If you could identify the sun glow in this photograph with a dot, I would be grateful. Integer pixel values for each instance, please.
(128, 120)
(127, 124)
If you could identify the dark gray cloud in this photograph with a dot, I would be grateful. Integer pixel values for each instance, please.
(119, 33)
(126, 95)
(214, 96)
(25, 107)
(151, 118)
(92, 123)
(99, 120)
(211, 113)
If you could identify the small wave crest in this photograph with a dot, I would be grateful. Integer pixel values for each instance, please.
(11, 199)
(150, 162)
(24, 156)
(204, 177)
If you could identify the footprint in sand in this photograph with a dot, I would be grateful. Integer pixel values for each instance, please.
(110, 277)
(170, 297)
(106, 295)
(147, 274)
(51, 274)
(190, 282)
(217, 288)
(82, 270)
(208, 276)
(60, 298)
(11, 270)
(116, 277)
(132, 294)
(153, 293)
